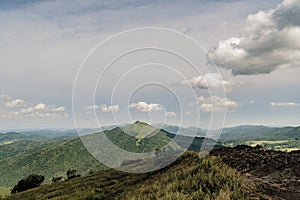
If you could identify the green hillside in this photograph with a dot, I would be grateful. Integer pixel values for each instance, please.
(17, 147)
(194, 144)
(8, 138)
(182, 131)
(50, 159)
(284, 138)
(187, 178)
(207, 178)
(123, 143)
(293, 133)
(139, 137)
(253, 133)
(54, 158)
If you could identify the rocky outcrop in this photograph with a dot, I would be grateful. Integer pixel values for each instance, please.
(275, 173)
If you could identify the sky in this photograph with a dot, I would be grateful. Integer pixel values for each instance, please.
(53, 57)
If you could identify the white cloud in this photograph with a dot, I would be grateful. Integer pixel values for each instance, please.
(284, 104)
(19, 107)
(42, 110)
(93, 107)
(170, 114)
(272, 40)
(9, 102)
(208, 81)
(40, 106)
(58, 109)
(26, 111)
(145, 107)
(104, 108)
(216, 104)
(15, 103)
(4, 98)
(253, 101)
(37, 114)
(214, 82)
(112, 108)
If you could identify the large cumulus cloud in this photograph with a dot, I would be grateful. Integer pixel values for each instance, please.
(272, 41)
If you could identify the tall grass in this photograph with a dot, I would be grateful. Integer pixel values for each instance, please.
(187, 178)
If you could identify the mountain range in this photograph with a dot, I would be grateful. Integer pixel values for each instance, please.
(25, 154)
(52, 155)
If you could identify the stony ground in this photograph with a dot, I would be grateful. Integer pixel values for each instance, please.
(275, 173)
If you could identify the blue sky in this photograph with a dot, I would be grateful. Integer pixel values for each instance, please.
(255, 45)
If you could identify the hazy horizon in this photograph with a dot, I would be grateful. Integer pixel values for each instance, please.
(24, 129)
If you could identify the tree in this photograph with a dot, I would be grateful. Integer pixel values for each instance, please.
(72, 173)
(30, 182)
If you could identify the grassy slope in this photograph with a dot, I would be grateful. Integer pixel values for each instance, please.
(187, 178)
(4, 191)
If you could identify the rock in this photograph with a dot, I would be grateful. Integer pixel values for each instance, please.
(275, 173)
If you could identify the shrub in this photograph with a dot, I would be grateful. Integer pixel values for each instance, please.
(30, 182)
(72, 173)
